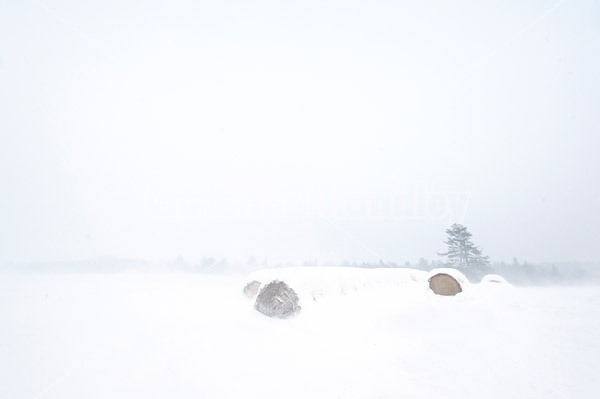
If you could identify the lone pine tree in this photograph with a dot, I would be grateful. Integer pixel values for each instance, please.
(462, 253)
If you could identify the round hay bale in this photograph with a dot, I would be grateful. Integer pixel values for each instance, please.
(251, 289)
(444, 284)
(277, 299)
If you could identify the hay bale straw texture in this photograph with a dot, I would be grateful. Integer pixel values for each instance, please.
(444, 284)
(251, 289)
(277, 299)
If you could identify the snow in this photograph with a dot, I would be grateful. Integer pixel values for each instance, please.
(197, 336)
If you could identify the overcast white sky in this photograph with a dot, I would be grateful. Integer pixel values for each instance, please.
(298, 129)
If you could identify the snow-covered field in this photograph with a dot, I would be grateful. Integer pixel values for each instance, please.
(197, 336)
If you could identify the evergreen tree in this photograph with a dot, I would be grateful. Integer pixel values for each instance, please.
(462, 253)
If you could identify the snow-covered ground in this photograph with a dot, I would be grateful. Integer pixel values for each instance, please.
(197, 336)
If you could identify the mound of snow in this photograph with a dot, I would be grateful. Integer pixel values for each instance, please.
(494, 279)
(493, 284)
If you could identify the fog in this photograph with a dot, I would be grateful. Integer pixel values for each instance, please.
(298, 130)
(276, 198)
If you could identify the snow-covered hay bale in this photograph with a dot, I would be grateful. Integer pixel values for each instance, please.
(251, 289)
(447, 282)
(315, 283)
(494, 283)
(277, 299)
(494, 279)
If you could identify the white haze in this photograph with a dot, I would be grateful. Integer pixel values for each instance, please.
(298, 130)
